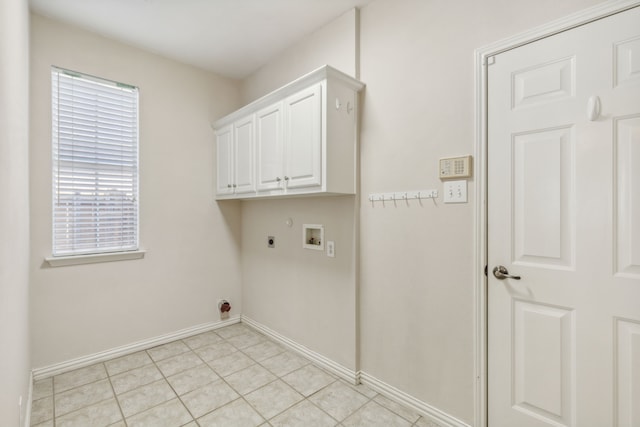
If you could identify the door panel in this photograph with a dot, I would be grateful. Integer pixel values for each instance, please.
(269, 140)
(543, 381)
(627, 61)
(224, 156)
(627, 191)
(303, 138)
(563, 213)
(628, 372)
(243, 156)
(544, 83)
(542, 195)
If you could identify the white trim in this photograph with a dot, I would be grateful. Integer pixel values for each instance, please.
(480, 227)
(442, 418)
(80, 362)
(343, 372)
(62, 261)
(27, 414)
(481, 55)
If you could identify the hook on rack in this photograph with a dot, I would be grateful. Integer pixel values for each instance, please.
(403, 195)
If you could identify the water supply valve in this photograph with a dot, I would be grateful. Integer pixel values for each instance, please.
(224, 307)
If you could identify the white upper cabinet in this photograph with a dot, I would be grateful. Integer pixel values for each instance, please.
(224, 152)
(243, 155)
(235, 158)
(299, 140)
(303, 138)
(269, 142)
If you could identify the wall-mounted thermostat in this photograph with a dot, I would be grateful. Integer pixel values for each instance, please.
(455, 167)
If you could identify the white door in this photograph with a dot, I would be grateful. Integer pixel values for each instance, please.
(303, 138)
(224, 159)
(269, 147)
(243, 170)
(564, 215)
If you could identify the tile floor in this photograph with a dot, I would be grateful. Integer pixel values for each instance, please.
(229, 377)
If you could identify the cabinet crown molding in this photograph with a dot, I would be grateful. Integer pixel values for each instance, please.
(326, 72)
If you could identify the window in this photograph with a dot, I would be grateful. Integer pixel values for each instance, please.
(95, 164)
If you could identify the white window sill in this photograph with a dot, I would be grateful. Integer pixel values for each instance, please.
(62, 261)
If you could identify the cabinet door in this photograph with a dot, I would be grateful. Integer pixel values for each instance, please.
(243, 174)
(303, 138)
(224, 153)
(269, 147)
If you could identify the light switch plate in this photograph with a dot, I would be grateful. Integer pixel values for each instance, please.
(331, 249)
(455, 191)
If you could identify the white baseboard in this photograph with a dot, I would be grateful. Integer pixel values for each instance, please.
(81, 362)
(320, 360)
(337, 369)
(442, 418)
(422, 408)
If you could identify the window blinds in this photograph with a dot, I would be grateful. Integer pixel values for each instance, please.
(95, 165)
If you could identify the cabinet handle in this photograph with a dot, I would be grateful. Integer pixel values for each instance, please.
(234, 186)
(228, 185)
(286, 178)
(278, 179)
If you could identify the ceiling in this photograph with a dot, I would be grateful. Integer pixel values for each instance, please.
(233, 38)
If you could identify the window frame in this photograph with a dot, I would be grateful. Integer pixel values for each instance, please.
(96, 251)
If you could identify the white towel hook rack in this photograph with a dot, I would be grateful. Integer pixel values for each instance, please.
(403, 196)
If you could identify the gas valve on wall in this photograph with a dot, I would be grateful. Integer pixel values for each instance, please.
(224, 307)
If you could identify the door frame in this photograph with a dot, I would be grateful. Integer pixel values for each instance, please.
(482, 59)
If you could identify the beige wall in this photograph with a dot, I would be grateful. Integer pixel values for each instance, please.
(334, 44)
(15, 363)
(412, 304)
(417, 61)
(416, 321)
(301, 293)
(192, 243)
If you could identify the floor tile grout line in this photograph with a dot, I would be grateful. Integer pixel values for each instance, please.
(115, 397)
(256, 362)
(322, 410)
(220, 377)
(307, 398)
(172, 389)
(243, 395)
(369, 399)
(55, 416)
(257, 359)
(303, 396)
(265, 419)
(53, 396)
(265, 385)
(394, 412)
(164, 378)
